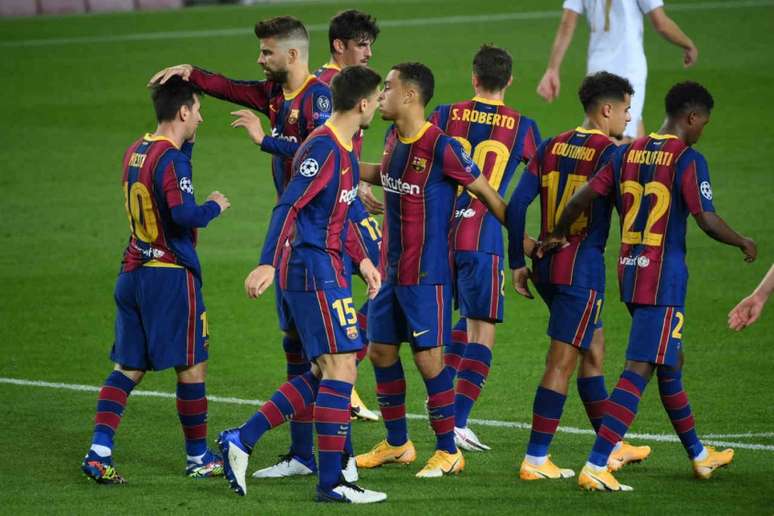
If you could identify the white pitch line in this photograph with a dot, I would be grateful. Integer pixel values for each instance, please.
(412, 22)
(708, 439)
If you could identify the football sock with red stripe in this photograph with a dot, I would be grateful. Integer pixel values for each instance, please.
(471, 377)
(301, 425)
(292, 397)
(593, 393)
(331, 420)
(192, 411)
(620, 411)
(454, 351)
(391, 395)
(110, 408)
(546, 412)
(440, 409)
(675, 401)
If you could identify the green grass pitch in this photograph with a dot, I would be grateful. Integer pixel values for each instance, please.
(69, 109)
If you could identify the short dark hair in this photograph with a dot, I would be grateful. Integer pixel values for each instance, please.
(493, 67)
(688, 95)
(169, 97)
(282, 27)
(603, 86)
(352, 25)
(352, 84)
(420, 75)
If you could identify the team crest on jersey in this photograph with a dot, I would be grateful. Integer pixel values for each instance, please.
(323, 103)
(293, 118)
(309, 167)
(186, 185)
(706, 190)
(352, 333)
(419, 164)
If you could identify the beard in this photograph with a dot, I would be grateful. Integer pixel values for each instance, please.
(279, 76)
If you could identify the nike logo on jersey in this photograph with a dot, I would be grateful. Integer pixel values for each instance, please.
(419, 333)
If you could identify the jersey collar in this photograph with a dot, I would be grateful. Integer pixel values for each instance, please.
(153, 138)
(488, 101)
(338, 137)
(294, 94)
(417, 136)
(580, 129)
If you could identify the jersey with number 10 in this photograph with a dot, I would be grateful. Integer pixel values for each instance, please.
(656, 183)
(498, 138)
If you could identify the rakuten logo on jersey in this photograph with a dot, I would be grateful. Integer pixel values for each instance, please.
(276, 134)
(348, 196)
(398, 186)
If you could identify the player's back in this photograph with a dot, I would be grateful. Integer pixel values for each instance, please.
(563, 164)
(659, 181)
(154, 173)
(498, 138)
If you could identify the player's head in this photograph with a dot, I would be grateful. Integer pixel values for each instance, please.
(689, 105)
(356, 88)
(407, 85)
(607, 97)
(351, 35)
(177, 101)
(492, 69)
(284, 43)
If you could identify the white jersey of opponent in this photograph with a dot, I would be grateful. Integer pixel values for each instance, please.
(615, 43)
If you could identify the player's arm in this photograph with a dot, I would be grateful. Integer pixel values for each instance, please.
(177, 185)
(548, 88)
(749, 309)
(671, 32)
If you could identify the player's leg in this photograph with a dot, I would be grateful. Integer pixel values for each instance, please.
(358, 407)
(471, 377)
(386, 330)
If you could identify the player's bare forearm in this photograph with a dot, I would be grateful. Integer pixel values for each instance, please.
(369, 172)
(717, 229)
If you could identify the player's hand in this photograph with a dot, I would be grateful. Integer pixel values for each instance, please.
(221, 199)
(548, 88)
(550, 244)
(251, 123)
(183, 71)
(372, 277)
(746, 312)
(519, 278)
(749, 249)
(259, 280)
(690, 56)
(371, 203)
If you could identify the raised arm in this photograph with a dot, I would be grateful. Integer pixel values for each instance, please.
(548, 88)
(671, 32)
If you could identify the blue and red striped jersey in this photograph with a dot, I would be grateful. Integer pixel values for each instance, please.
(160, 203)
(313, 213)
(561, 165)
(420, 177)
(498, 138)
(292, 115)
(656, 182)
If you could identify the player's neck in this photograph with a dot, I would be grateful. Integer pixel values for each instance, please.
(296, 79)
(345, 125)
(410, 124)
(171, 132)
(495, 96)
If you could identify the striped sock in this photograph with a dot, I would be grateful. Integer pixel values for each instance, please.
(110, 407)
(192, 411)
(331, 420)
(391, 395)
(620, 410)
(440, 408)
(471, 377)
(294, 396)
(593, 393)
(546, 412)
(454, 351)
(301, 424)
(362, 323)
(675, 401)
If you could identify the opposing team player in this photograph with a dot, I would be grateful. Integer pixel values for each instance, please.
(161, 320)
(314, 290)
(296, 102)
(571, 281)
(656, 182)
(350, 36)
(498, 138)
(420, 171)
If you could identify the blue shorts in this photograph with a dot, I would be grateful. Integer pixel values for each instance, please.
(417, 314)
(326, 320)
(656, 336)
(576, 313)
(161, 321)
(480, 281)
